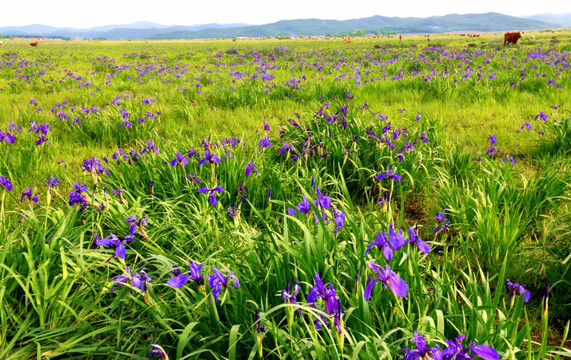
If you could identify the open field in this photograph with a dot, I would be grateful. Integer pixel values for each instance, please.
(356, 191)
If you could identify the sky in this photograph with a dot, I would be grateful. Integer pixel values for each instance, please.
(85, 14)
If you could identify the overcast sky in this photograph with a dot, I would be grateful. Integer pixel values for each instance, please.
(73, 13)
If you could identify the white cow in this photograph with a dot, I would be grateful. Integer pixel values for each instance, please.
(2, 43)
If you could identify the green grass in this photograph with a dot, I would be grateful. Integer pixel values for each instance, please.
(506, 222)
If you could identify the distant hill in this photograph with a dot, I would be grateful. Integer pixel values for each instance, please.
(307, 27)
(315, 27)
(138, 30)
(562, 19)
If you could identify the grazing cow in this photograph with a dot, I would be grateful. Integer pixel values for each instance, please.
(512, 37)
(2, 43)
(34, 44)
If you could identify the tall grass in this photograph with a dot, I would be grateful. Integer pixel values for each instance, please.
(346, 141)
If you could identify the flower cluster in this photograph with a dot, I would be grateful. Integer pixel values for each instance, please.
(138, 281)
(454, 350)
(442, 222)
(517, 289)
(180, 279)
(6, 184)
(323, 203)
(331, 301)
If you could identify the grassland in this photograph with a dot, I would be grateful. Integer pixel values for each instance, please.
(285, 162)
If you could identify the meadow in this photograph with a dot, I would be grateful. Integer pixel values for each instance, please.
(286, 199)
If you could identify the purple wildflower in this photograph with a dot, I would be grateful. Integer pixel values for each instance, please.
(517, 289)
(389, 278)
(179, 159)
(180, 279)
(390, 174)
(6, 184)
(251, 167)
(28, 194)
(211, 192)
(218, 280)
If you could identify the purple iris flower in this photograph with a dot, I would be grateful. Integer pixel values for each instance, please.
(422, 350)
(390, 174)
(413, 238)
(120, 280)
(387, 241)
(7, 184)
(211, 158)
(76, 197)
(484, 351)
(303, 207)
(332, 302)
(396, 239)
(134, 223)
(119, 153)
(42, 139)
(527, 124)
(120, 250)
(264, 142)
(491, 139)
(259, 327)
(211, 192)
(382, 243)
(150, 147)
(218, 280)
(13, 126)
(140, 281)
(78, 187)
(443, 222)
(251, 167)
(291, 297)
(389, 278)
(541, 115)
(157, 350)
(93, 165)
(517, 289)
(28, 194)
(266, 126)
(338, 219)
(52, 182)
(180, 279)
(510, 158)
(322, 201)
(454, 350)
(286, 147)
(7, 137)
(179, 159)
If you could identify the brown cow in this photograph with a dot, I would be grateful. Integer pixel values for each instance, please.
(34, 44)
(512, 37)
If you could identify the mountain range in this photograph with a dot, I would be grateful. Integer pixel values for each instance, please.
(307, 27)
